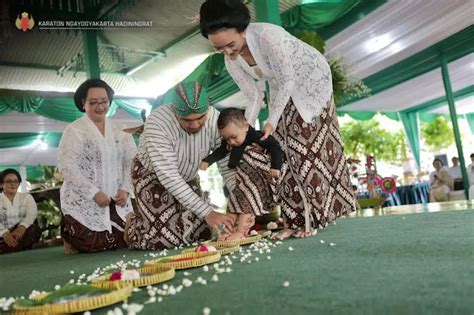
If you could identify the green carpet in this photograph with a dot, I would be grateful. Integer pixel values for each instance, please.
(400, 264)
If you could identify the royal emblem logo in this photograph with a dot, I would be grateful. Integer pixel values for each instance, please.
(24, 22)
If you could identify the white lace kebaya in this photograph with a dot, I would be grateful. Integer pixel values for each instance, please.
(21, 211)
(91, 162)
(292, 68)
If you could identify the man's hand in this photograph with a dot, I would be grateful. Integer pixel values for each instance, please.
(203, 166)
(219, 222)
(9, 239)
(121, 198)
(101, 199)
(267, 130)
(274, 172)
(18, 232)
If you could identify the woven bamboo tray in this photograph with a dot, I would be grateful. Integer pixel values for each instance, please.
(223, 250)
(121, 293)
(244, 241)
(154, 274)
(198, 259)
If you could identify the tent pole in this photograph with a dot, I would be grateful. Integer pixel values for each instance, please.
(454, 121)
(91, 53)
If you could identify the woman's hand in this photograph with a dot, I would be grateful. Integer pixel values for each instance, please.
(121, 198)
(9, 239)
(101, 199)
(267, 130)
(19, 232)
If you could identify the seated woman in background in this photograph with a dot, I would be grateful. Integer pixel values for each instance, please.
(94, 159)
(440, 182)
(17, 215)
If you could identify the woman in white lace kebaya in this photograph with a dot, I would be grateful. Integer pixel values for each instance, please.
(18, 230)
(302, 114)
(94, 158)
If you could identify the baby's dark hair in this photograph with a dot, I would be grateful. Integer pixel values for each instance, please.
(229, 115)
(216, 15)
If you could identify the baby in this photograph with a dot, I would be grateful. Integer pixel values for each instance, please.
(237, 134)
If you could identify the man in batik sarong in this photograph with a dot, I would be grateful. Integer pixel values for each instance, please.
(176, 137)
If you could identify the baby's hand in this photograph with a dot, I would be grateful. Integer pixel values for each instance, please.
(203, 166)
(274, 172)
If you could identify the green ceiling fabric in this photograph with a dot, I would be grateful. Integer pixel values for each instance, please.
(412, 133)
(24, 104)
(315, 14)
(470, 122)
(12, 140)
(63, 109)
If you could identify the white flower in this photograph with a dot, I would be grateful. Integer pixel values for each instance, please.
(187, 282)
(57, 287)
(71, 272)
(131, 274)
(290, 248)
(272, 226)
(286, 284)
(171, 290)
(322, 241)
(268, 257)
(133, 308)
(332, 244)
(253, 233)
(215, 278)
(206, 311)
(205, 268)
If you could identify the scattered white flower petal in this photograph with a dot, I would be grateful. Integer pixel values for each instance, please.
(253, 233)
(151, 300)
(205, 268)
(171, 290)
(57, 287)
(151, 293)
(87, 313)
(160, 299)
(135, 308)
(290, 248)
(403, 218)
(187, 282)
(206, 311)
(71, 272)
(268, 257)
(186, 273)
(228, 269)
(286, 284)
(332, 244)
(322, 241)
(215, 278)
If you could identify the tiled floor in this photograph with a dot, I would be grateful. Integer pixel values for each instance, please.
(419, 208)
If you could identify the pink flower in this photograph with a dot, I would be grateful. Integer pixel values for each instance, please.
(115, 276)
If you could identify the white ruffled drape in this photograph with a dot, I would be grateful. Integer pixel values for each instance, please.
(91, 162)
